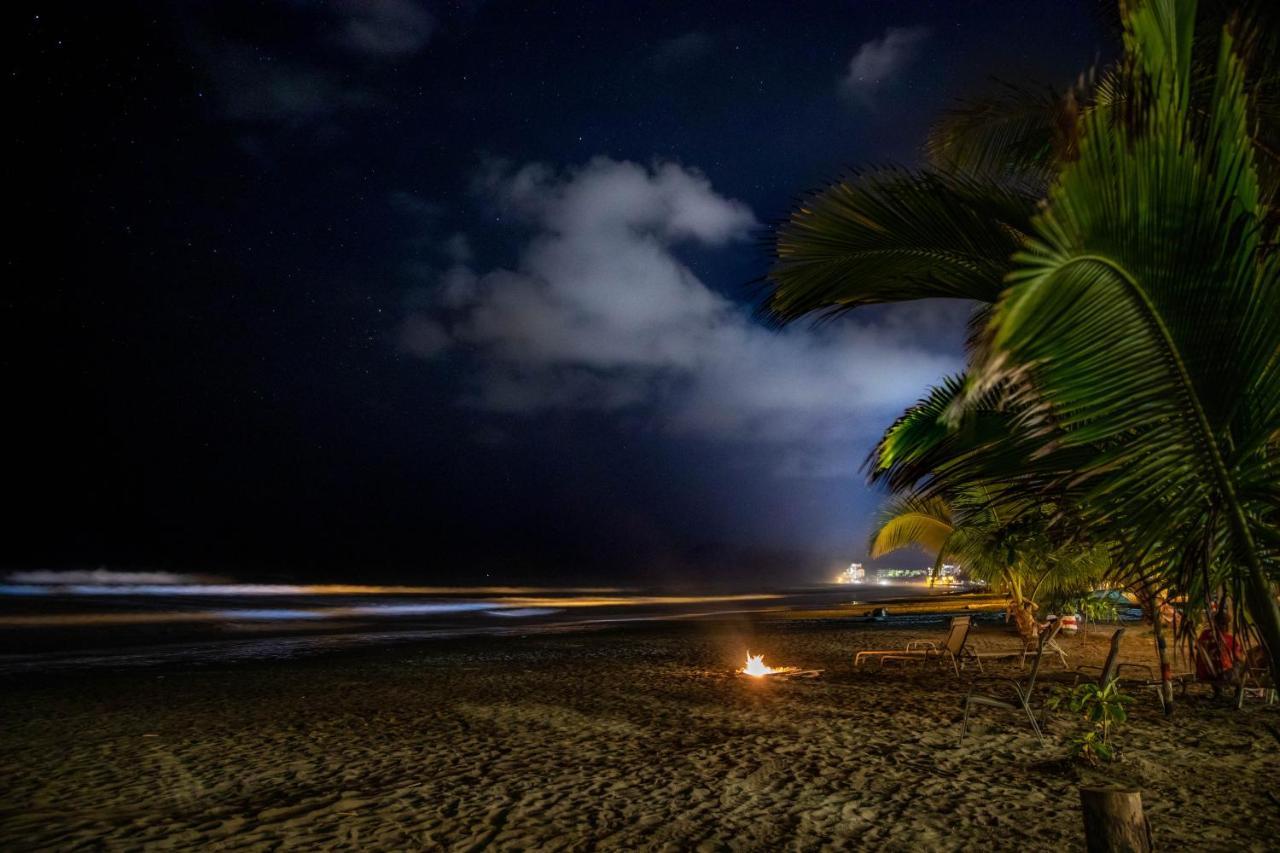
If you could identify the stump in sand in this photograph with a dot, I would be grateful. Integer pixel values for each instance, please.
(1113, 821)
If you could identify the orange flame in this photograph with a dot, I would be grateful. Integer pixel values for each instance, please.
(757, 667)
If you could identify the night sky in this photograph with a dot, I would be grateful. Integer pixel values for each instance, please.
(459, 291)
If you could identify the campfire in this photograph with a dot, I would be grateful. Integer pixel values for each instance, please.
(757, 667)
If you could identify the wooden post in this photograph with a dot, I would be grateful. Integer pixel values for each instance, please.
(1113, 821)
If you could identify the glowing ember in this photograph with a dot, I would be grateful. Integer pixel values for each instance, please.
(757, 667)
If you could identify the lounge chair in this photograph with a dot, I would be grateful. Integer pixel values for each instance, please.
(1029, 648)
(952, 650)
(1022, 692)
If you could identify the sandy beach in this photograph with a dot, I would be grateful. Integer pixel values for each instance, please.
(636, 738)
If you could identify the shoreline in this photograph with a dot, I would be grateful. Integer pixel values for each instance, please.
(61, 633)
(936, 604)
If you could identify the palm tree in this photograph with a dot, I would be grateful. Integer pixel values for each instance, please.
(969, 491)
(1149, 277)
(1145, 311)
(1014, 558)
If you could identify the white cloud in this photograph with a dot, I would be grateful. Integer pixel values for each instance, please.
(879, 60)
(601, 313)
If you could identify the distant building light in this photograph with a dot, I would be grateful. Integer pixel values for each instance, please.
(854, 574)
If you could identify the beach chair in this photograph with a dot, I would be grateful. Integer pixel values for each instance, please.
(1109, 670)
(1029, 648)
(1021, 692)
(952, 650)
(1113, 669)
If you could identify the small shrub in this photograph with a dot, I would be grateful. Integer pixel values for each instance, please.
(1101, 709)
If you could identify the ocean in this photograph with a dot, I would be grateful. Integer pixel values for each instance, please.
(91, 620)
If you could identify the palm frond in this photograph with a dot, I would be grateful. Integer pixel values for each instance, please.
(893, 236)
(911, 521)
(1017, 131)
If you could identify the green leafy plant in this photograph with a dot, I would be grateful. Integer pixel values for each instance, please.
(1097, 609)
(1101, 709)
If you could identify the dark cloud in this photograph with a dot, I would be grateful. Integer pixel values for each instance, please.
(385, 28)
(421, 336)
(680, 51)
(878, 61)
(415, 205)
(257, 88)
(293, 64)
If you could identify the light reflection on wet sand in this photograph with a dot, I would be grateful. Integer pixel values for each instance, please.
(512, 606)
(255, 589)
(92, 624)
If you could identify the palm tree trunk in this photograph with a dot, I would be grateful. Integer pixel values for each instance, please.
(1260, 594)
(1023, 616)
(1261, 599)
(1162, 652)
(1150, 598)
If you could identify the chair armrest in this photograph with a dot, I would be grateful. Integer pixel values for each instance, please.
(914, 644)
(1017, 687)
(1145, 667)
(1087, 670)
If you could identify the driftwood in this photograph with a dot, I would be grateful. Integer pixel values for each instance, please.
(787, 674)
(1114, 822)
